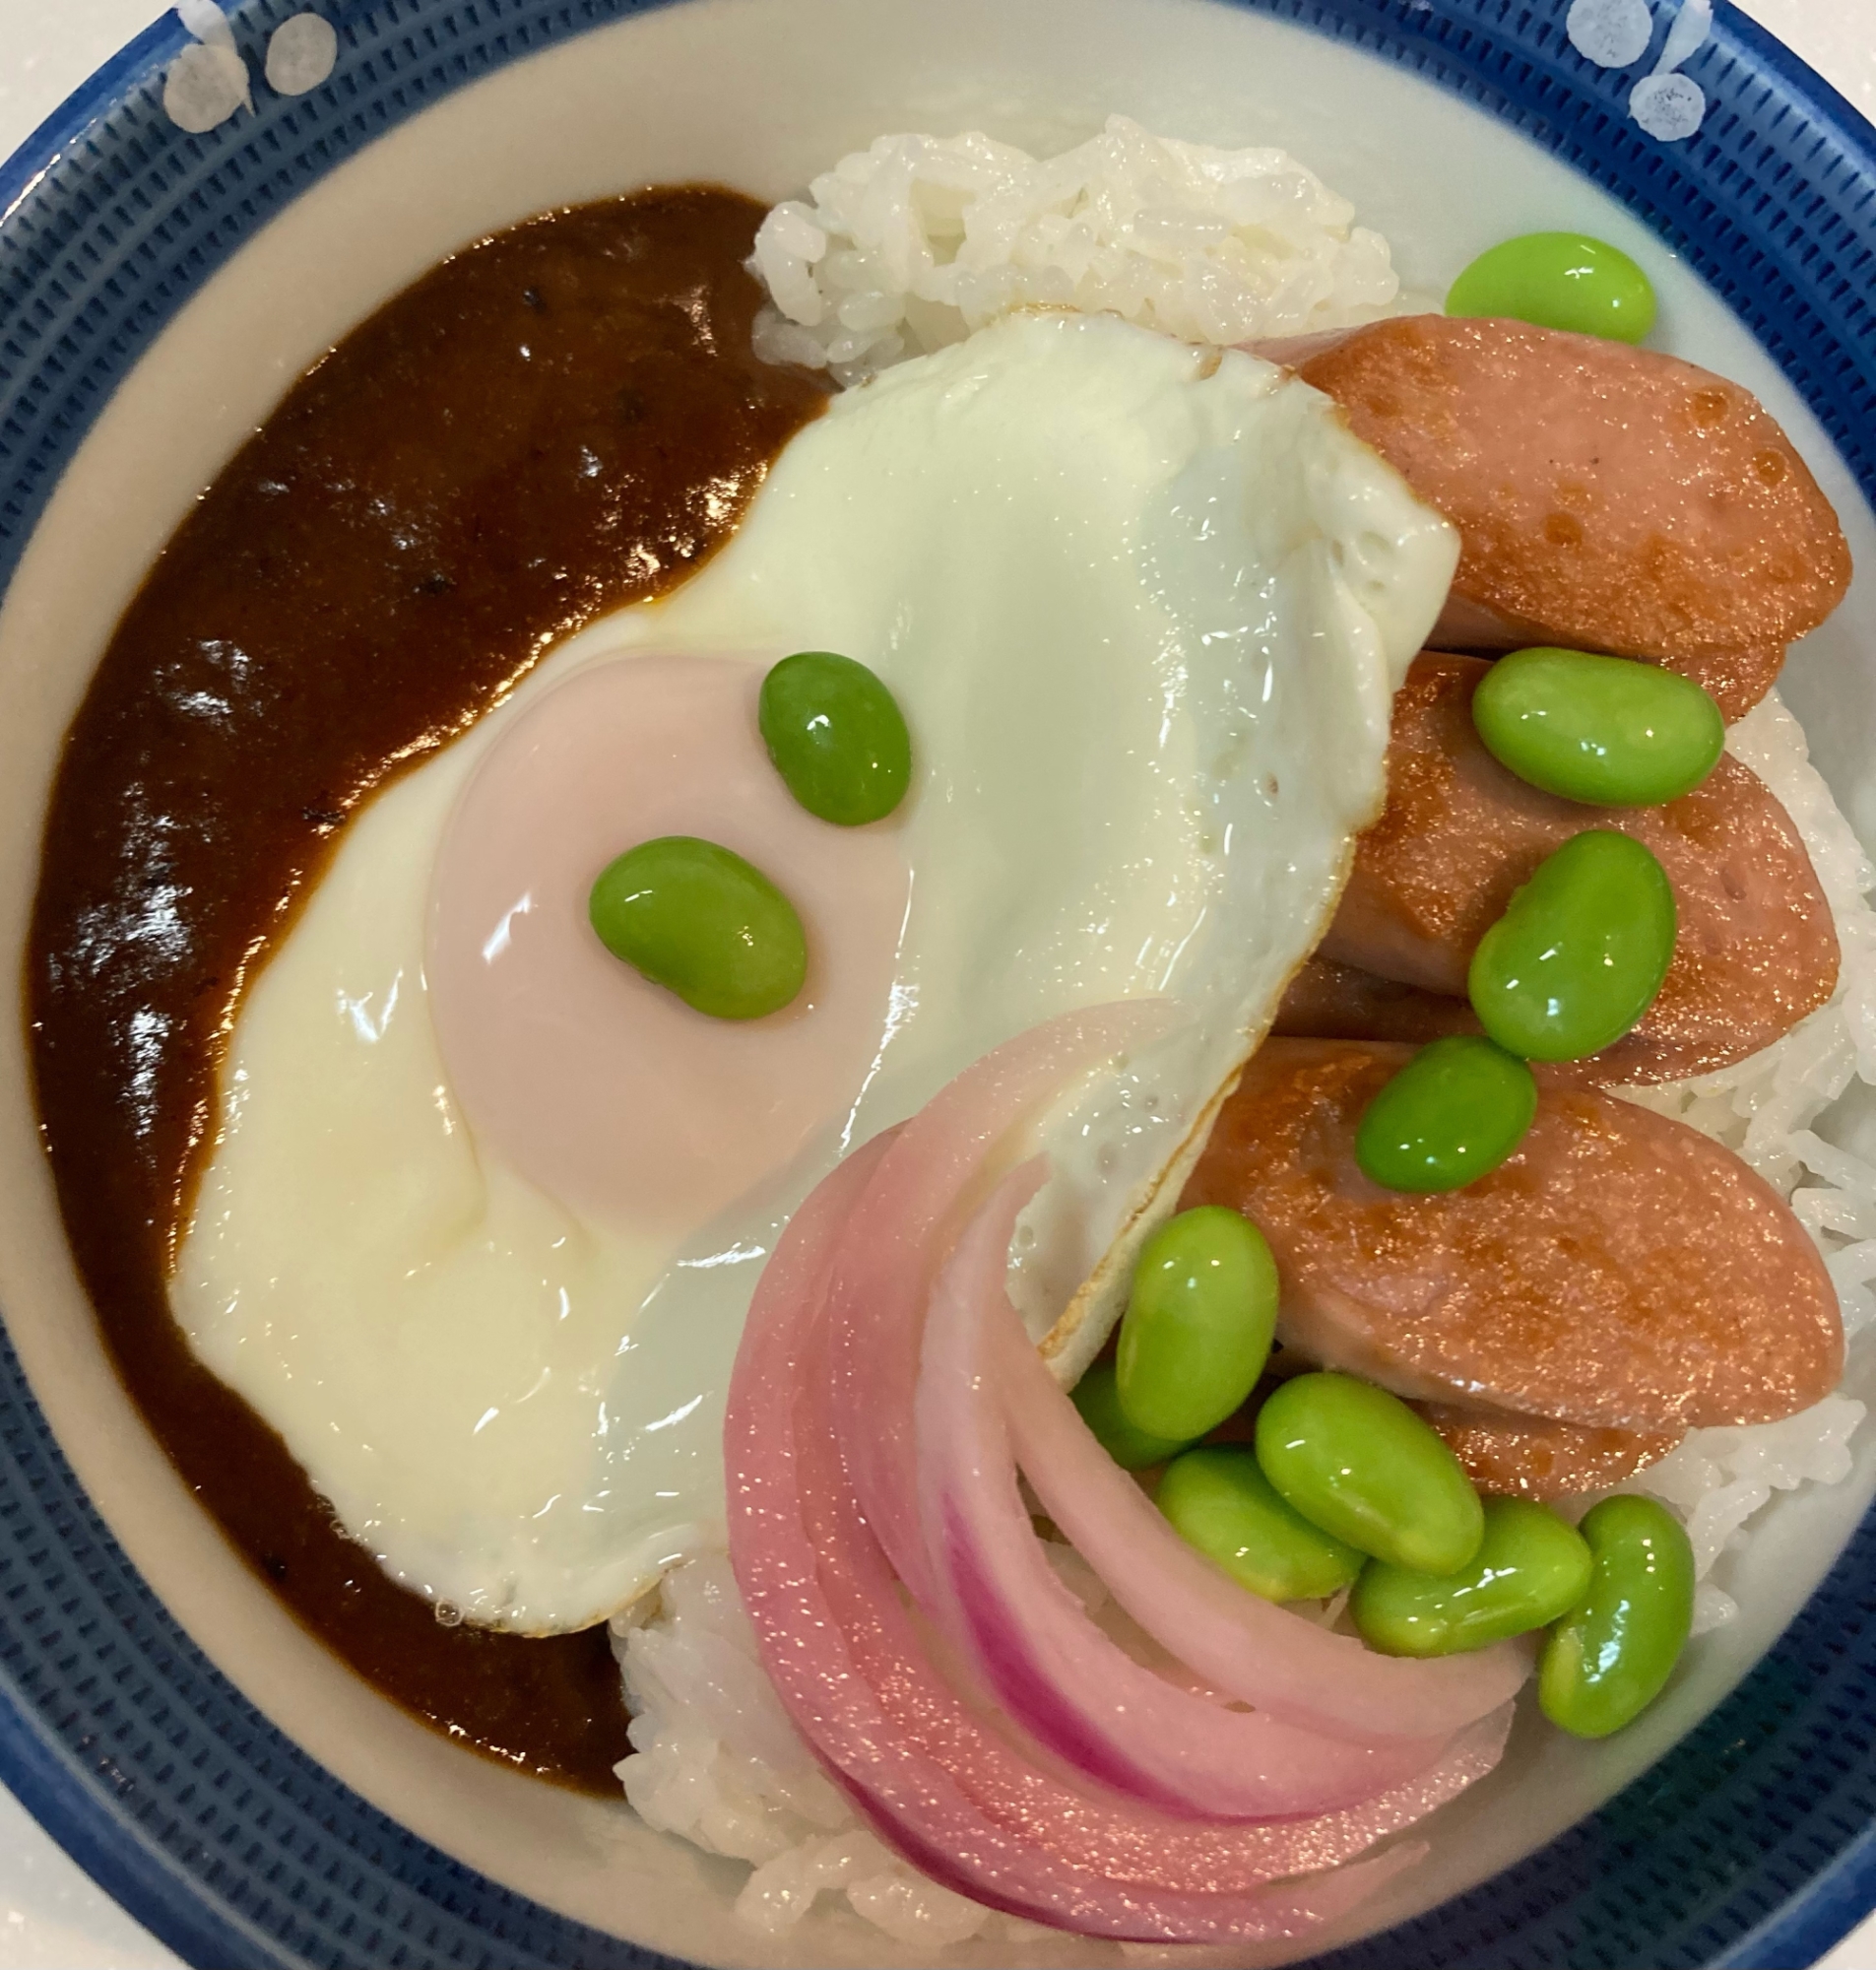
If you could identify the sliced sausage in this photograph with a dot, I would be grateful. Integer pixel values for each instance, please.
(1607, 497)
(1340, 1001)
(1756, 950)
(1621, 1270)
(1538, 1457)
(1331, 1000)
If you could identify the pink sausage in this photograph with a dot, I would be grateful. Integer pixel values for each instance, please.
(1620, 1271)
(1537, 1457)
(1607, 497)
(1756, 951)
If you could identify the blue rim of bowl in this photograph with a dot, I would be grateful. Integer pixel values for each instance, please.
(1752, 1844)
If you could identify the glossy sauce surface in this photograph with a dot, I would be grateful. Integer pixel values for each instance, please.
(554, 422)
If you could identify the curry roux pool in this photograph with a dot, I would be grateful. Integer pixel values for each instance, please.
(557, 422)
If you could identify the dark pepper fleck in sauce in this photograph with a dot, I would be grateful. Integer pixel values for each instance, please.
(561, 419)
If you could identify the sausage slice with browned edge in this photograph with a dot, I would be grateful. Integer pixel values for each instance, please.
(1756, 949)
(1607, 497)
(1620, 1271)
(1538, 1457)
(1331, 1001)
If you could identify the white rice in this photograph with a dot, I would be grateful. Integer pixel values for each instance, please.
(918, 240)
(1763, 1109)
(718, 1762)
(717, 1759)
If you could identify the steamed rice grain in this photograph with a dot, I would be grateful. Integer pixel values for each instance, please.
(919, 240)
(717, 1761)
(1761, 1108)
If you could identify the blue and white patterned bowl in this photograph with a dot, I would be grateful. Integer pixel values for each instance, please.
(197, 1753)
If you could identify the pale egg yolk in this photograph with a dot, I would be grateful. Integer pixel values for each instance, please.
(603, 1089)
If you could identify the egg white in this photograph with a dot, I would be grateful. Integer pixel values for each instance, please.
(1145, 608)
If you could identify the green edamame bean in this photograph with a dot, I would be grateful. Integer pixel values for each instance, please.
(1358, 1463)
(1099, 1402)
(1609, 731)
(1579, 953)
(1606, 1660)
(836, 736)
(1199, 1323)
(1529, 1569)
(1454, 1113)
(1558, 280)
(696, 918)
(1218, 1500)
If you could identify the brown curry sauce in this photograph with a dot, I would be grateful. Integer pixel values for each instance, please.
(561, 419)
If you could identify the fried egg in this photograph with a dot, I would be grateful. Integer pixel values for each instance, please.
(485, 1208)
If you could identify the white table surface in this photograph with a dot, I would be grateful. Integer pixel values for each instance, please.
(51, 1916)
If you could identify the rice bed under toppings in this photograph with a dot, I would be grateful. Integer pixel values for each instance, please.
(1762, 1109)
(918, 240)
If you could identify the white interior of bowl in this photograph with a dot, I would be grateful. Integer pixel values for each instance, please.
(758, 94)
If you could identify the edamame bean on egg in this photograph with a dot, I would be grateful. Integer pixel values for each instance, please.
(696, 918)
(837, 737)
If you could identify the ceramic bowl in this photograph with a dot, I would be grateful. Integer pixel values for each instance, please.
(210, 1764)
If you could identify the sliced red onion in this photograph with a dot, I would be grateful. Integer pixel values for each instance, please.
(1238, 1643)
(883, 1270)
(960, 1793)
(1040, 1655)
(1016, 1790)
